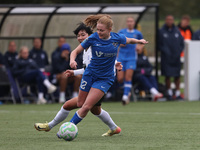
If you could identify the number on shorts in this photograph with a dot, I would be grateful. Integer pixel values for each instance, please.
(83, 84)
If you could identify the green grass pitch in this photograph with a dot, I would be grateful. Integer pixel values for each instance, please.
(145, 126)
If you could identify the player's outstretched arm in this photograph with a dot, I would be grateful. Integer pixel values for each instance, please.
(136, 41)
(73, 55)
(69, 73)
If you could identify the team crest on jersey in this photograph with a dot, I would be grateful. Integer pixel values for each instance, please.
(115, 44)
(176, 35)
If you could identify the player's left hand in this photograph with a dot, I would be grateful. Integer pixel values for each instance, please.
(118, 66)
(142, 41)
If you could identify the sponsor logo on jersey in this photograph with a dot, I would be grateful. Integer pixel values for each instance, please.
(99, 54)
(98, 44)
(110, 54)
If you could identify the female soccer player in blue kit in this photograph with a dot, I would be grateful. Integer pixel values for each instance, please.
(127, 56)
(99, 75)
(82, 32)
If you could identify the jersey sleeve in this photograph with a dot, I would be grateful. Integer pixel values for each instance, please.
(140, 36)
(123, 39)
(87, 42)
(121, 31)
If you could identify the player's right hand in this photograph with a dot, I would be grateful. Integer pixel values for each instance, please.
(118, 66)
(73, 64)
(69, 73)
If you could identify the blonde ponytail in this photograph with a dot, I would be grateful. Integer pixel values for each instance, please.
(92, 20)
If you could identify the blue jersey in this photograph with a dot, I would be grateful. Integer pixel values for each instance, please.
(104, 54)
(128, 52)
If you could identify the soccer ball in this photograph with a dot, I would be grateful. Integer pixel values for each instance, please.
(68, 131)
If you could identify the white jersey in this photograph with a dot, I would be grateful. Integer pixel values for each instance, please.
(87, 55)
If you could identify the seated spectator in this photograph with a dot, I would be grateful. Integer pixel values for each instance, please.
(38, 54)
(143, 75)
(27, 71)
(11, 55)
(60, 63)
(196, 35)
(61, 41)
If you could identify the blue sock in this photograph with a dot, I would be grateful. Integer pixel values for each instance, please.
(76, 118)
(127, 87)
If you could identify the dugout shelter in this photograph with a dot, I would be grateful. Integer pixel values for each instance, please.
(22, 23)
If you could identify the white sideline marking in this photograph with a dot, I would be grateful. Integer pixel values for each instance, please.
(111, 112)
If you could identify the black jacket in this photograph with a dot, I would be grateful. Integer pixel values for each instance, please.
(23, 66)
(40, 57)
(9, 59)
(58, 63)
(171, 44)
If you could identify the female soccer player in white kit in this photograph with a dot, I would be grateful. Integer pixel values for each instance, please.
(82, 32)
(99, 75)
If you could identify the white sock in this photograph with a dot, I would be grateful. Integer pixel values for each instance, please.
(47, 83)
(154, 91)
(170, 92)
(60, 116)
(62, 95)
(178, 93)
(74, 94)
(40, 95)
(105, 117)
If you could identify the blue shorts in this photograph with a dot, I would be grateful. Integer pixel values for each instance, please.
(130, 64)
(88, 81)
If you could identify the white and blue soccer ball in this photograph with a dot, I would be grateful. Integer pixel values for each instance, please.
(68, 131)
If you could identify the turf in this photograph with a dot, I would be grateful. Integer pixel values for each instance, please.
(145, 125)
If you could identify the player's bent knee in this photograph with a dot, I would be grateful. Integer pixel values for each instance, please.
(67, 107)
(79, 104)
(96, 110)
(86, 107)
(120, 80)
